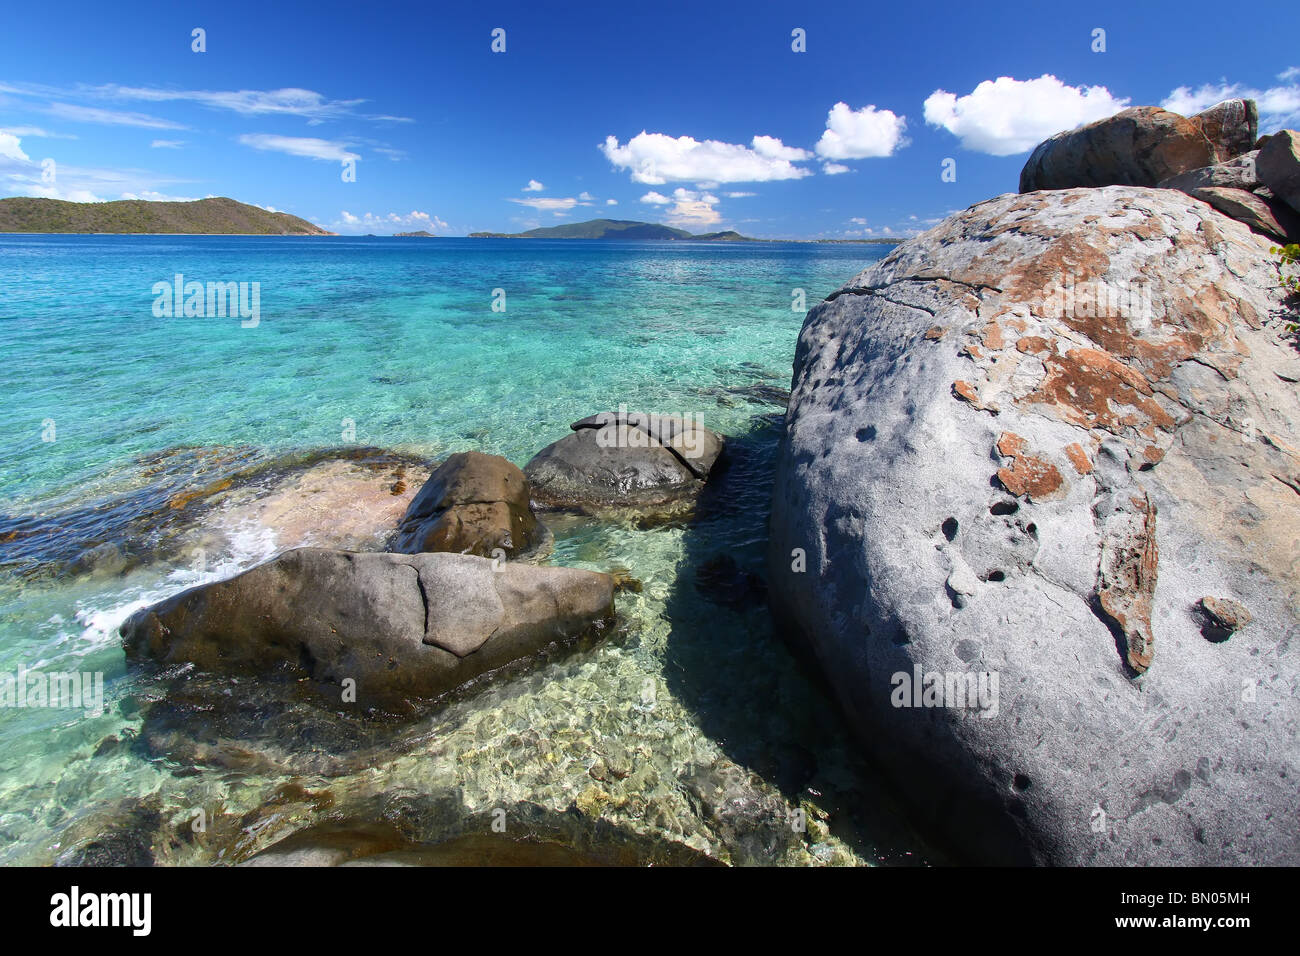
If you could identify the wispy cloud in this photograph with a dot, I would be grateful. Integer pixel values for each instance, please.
(549, 204)
(288, 101)
(305, 146)
(94, 114)
(167, 144)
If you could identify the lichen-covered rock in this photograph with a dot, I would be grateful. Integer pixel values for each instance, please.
(625, 460)
(1141, 146)
(472, 504)
(399, 626)
(1042, 495)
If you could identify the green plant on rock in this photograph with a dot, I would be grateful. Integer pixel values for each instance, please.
(1288, 256)
(1287, 265)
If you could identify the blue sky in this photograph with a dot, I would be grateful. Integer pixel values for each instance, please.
(739, 130)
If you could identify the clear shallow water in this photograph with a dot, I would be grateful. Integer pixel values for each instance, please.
(692, 726)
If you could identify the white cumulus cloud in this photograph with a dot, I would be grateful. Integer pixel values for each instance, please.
(1007, 116)
(533, 186)
(861, 134)
(656, 158)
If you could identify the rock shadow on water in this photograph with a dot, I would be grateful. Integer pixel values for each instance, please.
(768, 711)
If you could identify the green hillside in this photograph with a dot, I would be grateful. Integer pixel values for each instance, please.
(217, 216)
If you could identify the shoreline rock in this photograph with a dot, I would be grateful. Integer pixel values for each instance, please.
(1117, 450)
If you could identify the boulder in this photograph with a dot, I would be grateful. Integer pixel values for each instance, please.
(400, 626)
(1003, 582)
(472, 504)
(1279, 166)
(620, 460)
(1141, 146)
(1237, 173)
(1268, 216)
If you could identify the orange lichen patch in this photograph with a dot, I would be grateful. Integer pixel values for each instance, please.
(992, 336)
(1031, 477)
(1028, 476)
(935, 333)
(1010, 445)
(1078, 458)
(1033, 345)
(1153, 454)
(1093, 389)
(974, 351)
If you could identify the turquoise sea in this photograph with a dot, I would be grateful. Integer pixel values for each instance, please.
(694, 727)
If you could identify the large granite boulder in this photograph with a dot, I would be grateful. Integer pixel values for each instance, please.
(1025, 456)
(625, 460)
(472, 504)
(1268, 216)
(1237, 173)
(1141, 146)
(400, 626)
(1279, 166)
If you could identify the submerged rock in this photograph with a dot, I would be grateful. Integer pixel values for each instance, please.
(398, 626)
(472, 504)
(1141, 146)
(1119, 449)
(625, 460)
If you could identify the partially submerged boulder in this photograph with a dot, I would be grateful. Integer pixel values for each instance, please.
(631, 460)
(472, 504)
(400, 626)
(1003, 581)
(1141, 146)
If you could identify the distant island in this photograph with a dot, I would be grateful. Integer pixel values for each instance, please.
(630, 229)
(418, 234)
(614, 229)
(203, 217)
